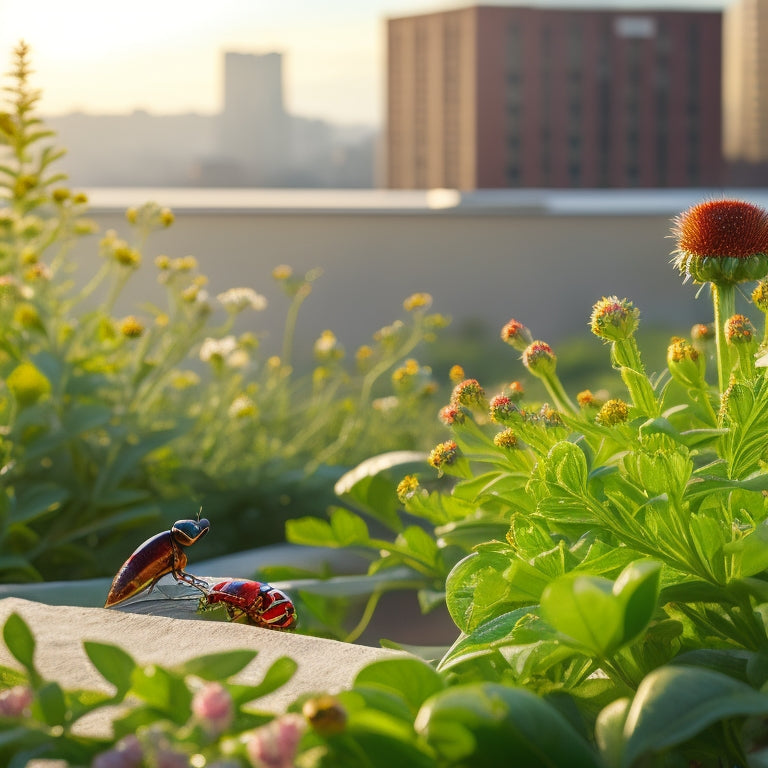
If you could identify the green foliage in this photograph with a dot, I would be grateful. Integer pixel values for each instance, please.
(113, 424)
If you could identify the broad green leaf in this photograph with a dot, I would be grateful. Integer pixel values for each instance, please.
(585, 609)
(609, 730)
(21, 643)
(568, 465)
(637, 587)
(709, 539)
(489, 725)
(113, 663)
(85, 416)
(412, 679)
(421, 544)
(50, 702)
(750, 553)
(279, 673)
(310, 531)
(348, 528)
(217, 666)
(673, 704)
(36, 501)
(163, 691)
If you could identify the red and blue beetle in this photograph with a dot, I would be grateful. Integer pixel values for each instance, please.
(156, 557)
(260, 603)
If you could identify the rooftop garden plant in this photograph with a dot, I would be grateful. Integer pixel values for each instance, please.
(112, 423)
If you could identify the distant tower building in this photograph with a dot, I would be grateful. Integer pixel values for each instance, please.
(489, 96)
(745, 99)
(253, 123)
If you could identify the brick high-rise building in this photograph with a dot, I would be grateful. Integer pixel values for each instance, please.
(496, 96)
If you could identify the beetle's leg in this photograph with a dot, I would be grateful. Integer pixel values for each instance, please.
(193, 581)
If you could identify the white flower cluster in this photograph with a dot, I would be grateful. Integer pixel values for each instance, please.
(237, 299)
(225, 350)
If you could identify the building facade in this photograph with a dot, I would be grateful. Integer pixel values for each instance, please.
(494, 97)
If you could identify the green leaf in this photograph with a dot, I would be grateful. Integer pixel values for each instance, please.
(421, 545)
(163, 691)
(37, 501)
(673, 704)
(310, 531)
(413, 680)
(113, 663)
(281, 671)
(49, 700)
(609, 730)
(637, 587)
(584, 609)
(750, 553)
(489, 725)
(21, 643)
(348, 528)
(217, 666)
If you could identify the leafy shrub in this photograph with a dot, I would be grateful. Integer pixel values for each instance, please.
(110, 424)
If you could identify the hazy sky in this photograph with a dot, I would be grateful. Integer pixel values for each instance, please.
(165, 55)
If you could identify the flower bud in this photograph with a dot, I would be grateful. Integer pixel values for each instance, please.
(614, 319)
(539, 358)
(325, 715)
(760, 296)
(274, 745)
(588, 399)
(456, 374)
(443, 454)
(685, 363)
(131, 327)
(516, 391)
(516, 335)
(506, 439)
(612, 413)
(469, 393)
(502, 409)
(417, 301)
(452, 414)
(722, 241)
(212, 707)
(407, 487)
(739, 330)
(14, 702)
(27, 384)
(127, 753)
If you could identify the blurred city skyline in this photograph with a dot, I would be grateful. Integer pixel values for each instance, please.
(166, 57)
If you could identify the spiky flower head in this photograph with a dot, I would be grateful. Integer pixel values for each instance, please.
(739, 330)
(502, 409)
(722, 241)
(685, 363)
(407, 487)
(327, 347)
(614, 319)
(588, 399)
(131, 327)
(443, 454)
(516, 335)
(516, 391)
(456, 374)
(469, 393)
(506, 439)
(235, 300)
(452, 414)
(760, 296)
(27, 384)
(417, 301)
(539, 358)
(702, 333)
(614, 412)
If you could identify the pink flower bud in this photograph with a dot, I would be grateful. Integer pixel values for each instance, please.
(274, 745)
(212, 708)
(15, 701)
(169, 758)
(516, 335)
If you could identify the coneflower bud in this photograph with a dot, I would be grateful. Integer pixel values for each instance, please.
(506, 439)
(539, 358)
(27, 384)
(131, 327)
(702, 333)
(516, 391)
(516, 335)
(407, 487)
(760, 296)
(469, 393)
(456, 374)
(612, 413)
(443, 455)
(452, 414)
(685, 363)
(588, 399)
(614, 319)
(722, 241)
(739, 330)
(502, 409)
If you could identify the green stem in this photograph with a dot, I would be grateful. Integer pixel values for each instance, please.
(626, 356)
(724, 301)
(558, 394)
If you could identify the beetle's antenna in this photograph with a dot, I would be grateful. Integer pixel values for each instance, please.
(199, 512)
